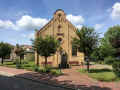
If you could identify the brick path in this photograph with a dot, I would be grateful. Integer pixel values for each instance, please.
(71, 78)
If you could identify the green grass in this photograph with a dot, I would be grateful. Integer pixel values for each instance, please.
(105, 75)
(30, 65)
(8, 64)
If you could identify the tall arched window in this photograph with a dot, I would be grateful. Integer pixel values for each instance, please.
(60, 40)
(74, 51)
(59, 28)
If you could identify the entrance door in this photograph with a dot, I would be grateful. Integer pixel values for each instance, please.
(64, 60)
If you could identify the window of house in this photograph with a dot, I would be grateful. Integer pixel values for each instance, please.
(59, 27)
(60, 40)
(74, 51)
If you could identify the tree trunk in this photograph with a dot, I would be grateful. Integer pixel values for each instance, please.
(20, 59)
(45, 62)
(2, 61)
(37, 60)
(88, 64)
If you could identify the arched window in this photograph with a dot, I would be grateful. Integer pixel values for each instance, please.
(59, 28)
(74, 51)
(59, 40)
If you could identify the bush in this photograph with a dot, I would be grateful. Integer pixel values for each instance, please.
(55, 72)
(109, 60)
(36, 68)
(116, 68)
(46, 70)
(18, 65)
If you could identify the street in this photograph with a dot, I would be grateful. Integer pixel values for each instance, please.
(13, 83)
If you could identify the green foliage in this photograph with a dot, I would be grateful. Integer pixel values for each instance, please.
(106, 49)
(36, 68)
(105, 75)
(19, 51)
(18, 65)
(95, 55)
(5, 49)
(56, 72)
(109, 60)
(45, 46)
(116, 67)
(113, 36)
(87, 40)
(47, 69)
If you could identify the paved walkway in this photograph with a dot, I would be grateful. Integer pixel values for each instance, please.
(71, 78)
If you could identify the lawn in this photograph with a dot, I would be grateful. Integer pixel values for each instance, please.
(30, 65)
(105, 75)
(25, 65)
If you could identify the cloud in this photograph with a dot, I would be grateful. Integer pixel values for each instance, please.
(24, 23)
(75, 19)
(30, 23)
(27, 22)
(98, 26)
(116, 11)
(79, 26)
(6, 24)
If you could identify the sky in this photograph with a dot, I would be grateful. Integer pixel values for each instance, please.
(20, 18)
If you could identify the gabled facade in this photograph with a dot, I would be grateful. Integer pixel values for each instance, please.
(60, 28)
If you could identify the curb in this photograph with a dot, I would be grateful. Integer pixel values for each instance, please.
(42, 82)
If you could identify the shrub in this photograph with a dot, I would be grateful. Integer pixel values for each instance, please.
(116, 68)
(46, 70)
(55, 72)
(109, 60)
(36, 68)
(18, 65)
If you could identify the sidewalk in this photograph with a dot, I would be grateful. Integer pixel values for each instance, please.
(70, 79)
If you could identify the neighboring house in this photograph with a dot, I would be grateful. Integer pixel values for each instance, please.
(60, 28)
(28, 51)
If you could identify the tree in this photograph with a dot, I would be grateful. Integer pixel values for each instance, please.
(19, 52)
(113, 36)
(106, 49)
(45, 46)
(5, 49)
(86, 41)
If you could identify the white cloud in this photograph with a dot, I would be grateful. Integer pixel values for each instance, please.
(116, 11)
(29, 23)
(79, 26)
(98, 26)
(75, 19)
(24, 23)
(6, 24)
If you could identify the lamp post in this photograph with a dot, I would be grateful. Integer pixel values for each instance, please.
(88, 63)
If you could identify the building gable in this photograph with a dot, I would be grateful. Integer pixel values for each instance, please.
(57, 21)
